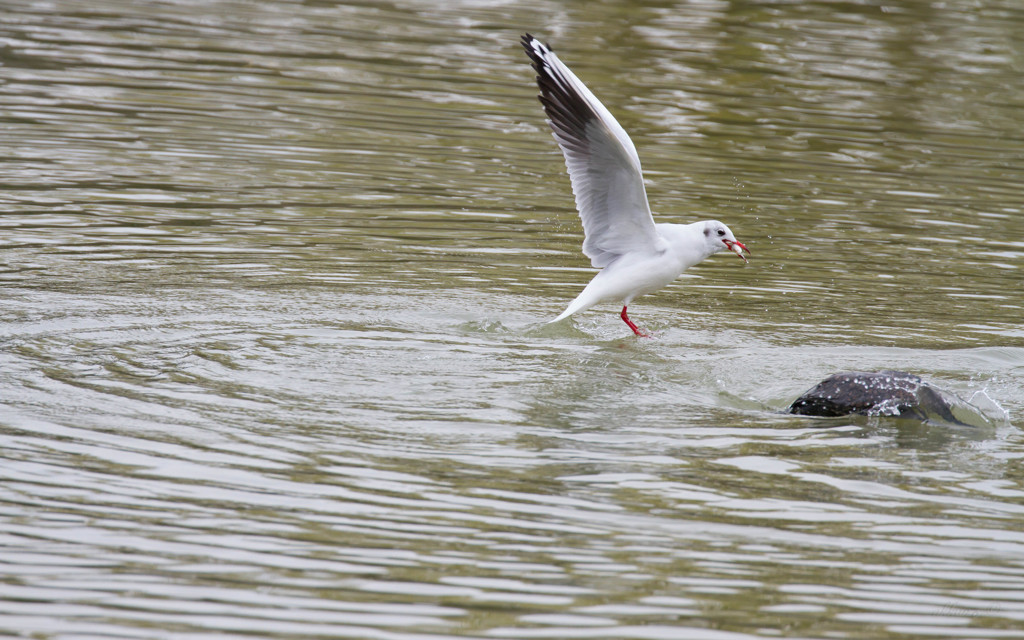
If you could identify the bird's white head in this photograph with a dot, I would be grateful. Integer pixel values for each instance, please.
(718, 237)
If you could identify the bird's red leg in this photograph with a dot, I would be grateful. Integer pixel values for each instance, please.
(632, 326)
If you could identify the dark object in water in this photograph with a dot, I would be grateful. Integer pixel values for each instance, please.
(883, 393)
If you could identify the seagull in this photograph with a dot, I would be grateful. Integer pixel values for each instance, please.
(635, 256)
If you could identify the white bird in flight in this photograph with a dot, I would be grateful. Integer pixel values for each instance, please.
(635, 255)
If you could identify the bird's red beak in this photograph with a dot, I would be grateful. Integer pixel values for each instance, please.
(737, 247)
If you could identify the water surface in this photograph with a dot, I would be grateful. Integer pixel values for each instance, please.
(273, 353)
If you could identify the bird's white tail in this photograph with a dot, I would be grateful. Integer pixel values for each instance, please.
(581, 303)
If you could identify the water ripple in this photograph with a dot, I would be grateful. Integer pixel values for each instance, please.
(273, 352)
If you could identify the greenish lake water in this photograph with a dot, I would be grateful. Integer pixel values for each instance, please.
(274, 279)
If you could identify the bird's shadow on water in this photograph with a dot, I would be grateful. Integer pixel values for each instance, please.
(598, 334)
(555, 331)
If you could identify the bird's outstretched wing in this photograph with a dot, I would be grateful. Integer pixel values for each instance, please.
(602, 161)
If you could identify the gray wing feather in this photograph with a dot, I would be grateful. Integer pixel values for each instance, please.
(603, 164)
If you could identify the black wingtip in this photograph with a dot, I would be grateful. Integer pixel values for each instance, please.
(535, 50)
(568, 112)
(528, 40)
(536, 61)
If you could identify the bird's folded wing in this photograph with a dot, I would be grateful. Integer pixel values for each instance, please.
(602, 162)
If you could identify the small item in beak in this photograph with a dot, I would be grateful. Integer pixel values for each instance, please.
(738, 248)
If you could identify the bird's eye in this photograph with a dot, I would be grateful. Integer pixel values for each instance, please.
(721, 232)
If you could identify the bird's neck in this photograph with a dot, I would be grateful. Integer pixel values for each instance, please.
(687, 242)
